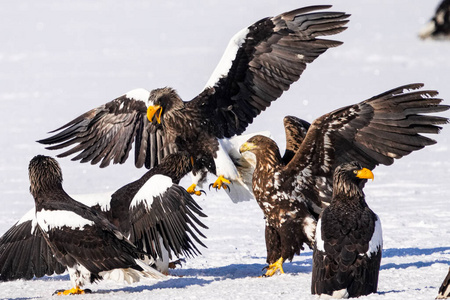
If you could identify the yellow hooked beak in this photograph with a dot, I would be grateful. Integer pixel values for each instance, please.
(152, 110)
(364, 174)
(246, 147)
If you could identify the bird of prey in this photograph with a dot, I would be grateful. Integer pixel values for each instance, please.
(154, 213)
(439, 26)
(259, 64)
(292, 190)
(444, 290)
(349, 242)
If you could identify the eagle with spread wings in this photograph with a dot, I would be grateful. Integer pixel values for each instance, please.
(293, 190)
(259, 64)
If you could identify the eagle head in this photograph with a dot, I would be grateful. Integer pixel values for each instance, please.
(45, 174)
(266, 151)
(258, 143)
(161, 101)
(349, 178)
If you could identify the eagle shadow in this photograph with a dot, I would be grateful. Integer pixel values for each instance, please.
(403, 252)
(238, 271)
(171, 283)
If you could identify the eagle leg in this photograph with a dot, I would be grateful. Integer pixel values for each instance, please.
(73, 291)
(273, 268)
(220, 182)
(191, 190)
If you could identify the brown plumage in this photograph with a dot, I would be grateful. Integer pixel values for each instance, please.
(293, 192)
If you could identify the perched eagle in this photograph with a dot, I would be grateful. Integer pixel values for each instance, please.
(348, 246)
(154, 213)
(444, 290)
(292, 190)
(439, 26)
(260, 62)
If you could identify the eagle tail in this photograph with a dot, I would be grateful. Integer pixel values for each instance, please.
(131, 275)
(241, 187)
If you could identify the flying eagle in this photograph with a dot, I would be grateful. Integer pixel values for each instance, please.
(156, 214)
(260, 62)
(349, 242)
(439, 26)
(444, 290)
(292, 190)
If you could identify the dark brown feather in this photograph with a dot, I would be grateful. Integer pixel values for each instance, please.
(347, 227)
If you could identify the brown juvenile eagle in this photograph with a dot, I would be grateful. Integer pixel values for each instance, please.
(260, 62)
(156, 214)
(293, 190)
(349, 242)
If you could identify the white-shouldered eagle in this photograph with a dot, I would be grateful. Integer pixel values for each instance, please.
(349, 242)
(259, 64)
(154, 213)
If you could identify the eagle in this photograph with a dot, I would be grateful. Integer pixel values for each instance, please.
(293, 190)
(444, 290)
(259, 64)
(153, 213)
(349, 242)
(439, 26)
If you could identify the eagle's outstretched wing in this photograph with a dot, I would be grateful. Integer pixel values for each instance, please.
(24, 253)
(262, 61)
(376, 131)
(107, 133)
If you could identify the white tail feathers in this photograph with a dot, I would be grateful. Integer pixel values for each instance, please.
(131, 275)
(241, 187)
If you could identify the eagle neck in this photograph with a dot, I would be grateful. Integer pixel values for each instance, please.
(269, 159)
(347, 192)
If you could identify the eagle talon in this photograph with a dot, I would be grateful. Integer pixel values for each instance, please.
(220, 182)
(191, 190)
(72, 291)
(273, 268)
(173, 264)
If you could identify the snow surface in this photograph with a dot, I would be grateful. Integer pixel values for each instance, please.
(61, 58)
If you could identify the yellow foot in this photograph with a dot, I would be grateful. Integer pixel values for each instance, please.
(191, 190)
(220, 182)
(73, 291)
(273, 268)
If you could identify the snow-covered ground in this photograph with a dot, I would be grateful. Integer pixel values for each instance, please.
(59, 59)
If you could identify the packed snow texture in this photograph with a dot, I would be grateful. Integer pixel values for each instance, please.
(59, 59)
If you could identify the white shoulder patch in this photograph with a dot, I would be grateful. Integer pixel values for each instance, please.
(228, 56)
(376, 242)
(138, 94)
(48, 219)
(154, 187)
(29, 216)
(319, 241)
